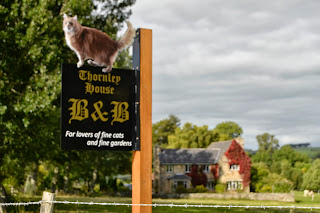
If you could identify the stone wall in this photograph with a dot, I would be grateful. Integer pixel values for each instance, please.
(286, 197)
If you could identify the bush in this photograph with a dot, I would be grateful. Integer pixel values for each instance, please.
(282, 186)
(200, 189)
(181, 189)
(220, 188)
(265, 189)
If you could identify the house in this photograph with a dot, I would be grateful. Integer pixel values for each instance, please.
(221, 162)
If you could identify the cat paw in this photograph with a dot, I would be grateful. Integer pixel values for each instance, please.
(79, 64)
(108, 69)
(90, 62)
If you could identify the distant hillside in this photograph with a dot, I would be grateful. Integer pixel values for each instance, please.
(312, 152)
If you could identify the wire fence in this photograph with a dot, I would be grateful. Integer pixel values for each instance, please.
(161, 205)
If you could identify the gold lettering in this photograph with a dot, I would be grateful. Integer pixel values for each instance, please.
(118, 79)
(85, 75)
(97, 106)
(78, 109)
(89, 76)
(89, 88)
(82, 75)
(120, 112)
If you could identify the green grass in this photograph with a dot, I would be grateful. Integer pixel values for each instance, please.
(72, 208)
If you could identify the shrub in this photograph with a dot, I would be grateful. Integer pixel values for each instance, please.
(265, 189)
(282, 186)
(200, 189)
(181, 189)
(220, 188)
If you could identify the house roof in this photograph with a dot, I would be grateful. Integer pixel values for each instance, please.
(189, 156)
(223, 146)
(179, 176)
(210, 155)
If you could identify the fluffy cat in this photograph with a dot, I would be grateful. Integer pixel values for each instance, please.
(92, 44)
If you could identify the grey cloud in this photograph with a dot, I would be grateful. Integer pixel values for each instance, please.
(253, 62)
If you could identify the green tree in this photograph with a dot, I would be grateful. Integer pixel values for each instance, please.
(32, 48)
(267, 145)
(228, 130)
(162, 129)
(289, 154)
(262, 180)
(311, 179)
(192, 136)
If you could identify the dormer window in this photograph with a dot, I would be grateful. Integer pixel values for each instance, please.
(169, 168)
(206, 168)
(187, 168)
(234, 167)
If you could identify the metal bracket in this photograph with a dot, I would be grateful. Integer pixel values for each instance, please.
(136, 68)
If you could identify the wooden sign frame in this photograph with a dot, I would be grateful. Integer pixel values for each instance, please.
(142, 160)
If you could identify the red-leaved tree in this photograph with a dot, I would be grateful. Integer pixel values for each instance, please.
(197, 176)
(237, 155)
(215, 171)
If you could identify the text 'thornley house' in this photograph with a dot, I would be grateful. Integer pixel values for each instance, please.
(221, 162)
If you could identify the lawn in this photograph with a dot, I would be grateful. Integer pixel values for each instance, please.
(301, 201)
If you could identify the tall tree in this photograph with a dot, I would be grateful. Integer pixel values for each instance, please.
(267, 145)
(228, 130)
(192, 136)
(162, 129)
(289, 154)
(311, 179)
(32, 49)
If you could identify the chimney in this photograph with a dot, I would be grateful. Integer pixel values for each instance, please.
(240, 141)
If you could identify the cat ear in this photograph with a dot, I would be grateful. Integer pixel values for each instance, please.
(65, 16)
(75, 17)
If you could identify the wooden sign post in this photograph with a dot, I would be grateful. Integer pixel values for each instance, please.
(142, 160)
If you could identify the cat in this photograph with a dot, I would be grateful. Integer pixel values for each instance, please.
(94, 45)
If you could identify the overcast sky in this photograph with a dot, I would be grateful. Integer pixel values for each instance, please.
(256, 63)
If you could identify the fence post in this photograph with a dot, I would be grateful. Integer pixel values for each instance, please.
(142, 160)
(47, 207)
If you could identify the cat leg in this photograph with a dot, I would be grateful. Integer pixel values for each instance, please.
(81, 60)
(111, 61)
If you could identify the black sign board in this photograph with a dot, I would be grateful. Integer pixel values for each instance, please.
(100, 111)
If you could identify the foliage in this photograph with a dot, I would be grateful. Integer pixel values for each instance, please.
(32, 49)
(215, 171)
(282, 187)
(292, 156)
(191, 136)
(220, 188)
(181, 189)
(169, 134)
(200, 189)
(237, 155)
(267, 145)
(228, 130)
(312, 152)
(286, 162)
(198, 177)
(311, 179)
(263, 180)
(162, 129)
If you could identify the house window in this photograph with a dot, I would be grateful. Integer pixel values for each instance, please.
(234, 167)
(187, 168)
(234, 185)
(206, 168)
(169, 168)
(210, 185)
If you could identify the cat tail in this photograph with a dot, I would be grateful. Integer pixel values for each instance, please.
(127, 38)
